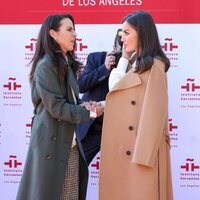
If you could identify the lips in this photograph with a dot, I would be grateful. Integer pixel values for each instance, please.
(73, 41)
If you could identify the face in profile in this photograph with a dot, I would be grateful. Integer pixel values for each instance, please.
(65, 36)
(129, 37)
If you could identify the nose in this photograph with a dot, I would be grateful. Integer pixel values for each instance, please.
(122, 38)
(74, 33)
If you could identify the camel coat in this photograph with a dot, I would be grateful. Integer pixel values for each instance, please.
(135, 157)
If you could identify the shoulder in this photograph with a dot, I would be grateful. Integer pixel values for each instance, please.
(44, 63)
(45, 66)
(159, 65)
(97, 54)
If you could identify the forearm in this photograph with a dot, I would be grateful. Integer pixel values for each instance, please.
(118, 73)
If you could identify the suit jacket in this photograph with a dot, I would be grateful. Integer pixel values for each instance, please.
(51, 136)
(93, 82)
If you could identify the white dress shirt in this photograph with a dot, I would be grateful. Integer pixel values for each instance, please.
(118, 73)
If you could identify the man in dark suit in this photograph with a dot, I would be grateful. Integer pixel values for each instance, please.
(93, 82)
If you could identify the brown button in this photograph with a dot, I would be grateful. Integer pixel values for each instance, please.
(48, 157)
(133, 102)
(128, 153)
(53, 138)
(130, 128)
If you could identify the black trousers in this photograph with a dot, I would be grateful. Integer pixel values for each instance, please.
(91, 142)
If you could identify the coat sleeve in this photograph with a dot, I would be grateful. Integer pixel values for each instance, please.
(53, 99)
(94, 73)
(152, 119)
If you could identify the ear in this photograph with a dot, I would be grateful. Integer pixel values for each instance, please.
(53, 34)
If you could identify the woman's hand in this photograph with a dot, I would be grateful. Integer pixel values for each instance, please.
(99, 110)
(95, 108)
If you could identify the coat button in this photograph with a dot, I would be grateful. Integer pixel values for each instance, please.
(128, 153)
(53, 138)
(130, 128)
(133, 102)
(48, 157)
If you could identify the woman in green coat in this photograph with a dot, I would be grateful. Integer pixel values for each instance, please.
(55, 167)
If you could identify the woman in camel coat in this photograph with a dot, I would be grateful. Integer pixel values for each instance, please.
(135, 157)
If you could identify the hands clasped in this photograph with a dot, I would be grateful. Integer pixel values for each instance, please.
(96, 108)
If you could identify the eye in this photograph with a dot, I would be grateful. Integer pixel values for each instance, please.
(70, 29)
(126, 33)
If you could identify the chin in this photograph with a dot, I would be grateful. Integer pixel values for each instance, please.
(71, 49)
(129, 50)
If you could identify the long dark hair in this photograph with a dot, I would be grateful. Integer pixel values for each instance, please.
(148, 41)
(46, 45)
(118, 37)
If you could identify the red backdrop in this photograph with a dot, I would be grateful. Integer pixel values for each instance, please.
(98, 11)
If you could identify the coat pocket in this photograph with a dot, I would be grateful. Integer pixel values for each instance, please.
(167, 138)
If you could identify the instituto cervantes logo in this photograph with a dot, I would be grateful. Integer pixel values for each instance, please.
(168, 46)
(95, 164)
(190, 166)
(190, 94)
(190, 85)
(12, 84)
(94, 172)
(12, 162)
(190, 173)
(79, 45)
(30, 50)
(173, 132)
(80, 50)
(12, 94)
(12, 170)
(28, 132)
(171, 51)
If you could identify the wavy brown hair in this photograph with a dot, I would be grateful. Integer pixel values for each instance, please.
(46, 45)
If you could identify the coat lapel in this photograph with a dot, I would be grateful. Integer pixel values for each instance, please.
(131, 79)
(73, 83)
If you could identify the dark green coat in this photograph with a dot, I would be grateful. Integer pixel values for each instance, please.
(52, 133)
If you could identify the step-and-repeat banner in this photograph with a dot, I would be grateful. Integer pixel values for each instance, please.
(178, 24)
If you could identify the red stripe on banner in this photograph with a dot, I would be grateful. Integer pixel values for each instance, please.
(98, 11)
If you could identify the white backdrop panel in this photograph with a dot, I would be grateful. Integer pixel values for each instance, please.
(181, 43)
